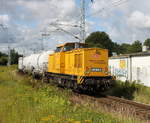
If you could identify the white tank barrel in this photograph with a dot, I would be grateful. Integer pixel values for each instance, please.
(37, 63)
(20, 63)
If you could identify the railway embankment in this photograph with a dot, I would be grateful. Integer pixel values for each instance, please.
(23, 99)
(131, 91)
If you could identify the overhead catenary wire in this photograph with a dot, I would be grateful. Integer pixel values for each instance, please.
(61, 29)
(68, 25)
(111, 16)
(114, 4)
(83, 17)
(82, 21)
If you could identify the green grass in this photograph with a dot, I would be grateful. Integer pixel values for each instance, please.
(142, 94)
(131, 91)
(24, 100)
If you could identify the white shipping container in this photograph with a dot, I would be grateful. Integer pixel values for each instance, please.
(132, 67)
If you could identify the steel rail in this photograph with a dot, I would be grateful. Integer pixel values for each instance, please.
(120, 105)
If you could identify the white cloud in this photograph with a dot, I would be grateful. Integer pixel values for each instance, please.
(48, 9)
(139, 20)
(4, 19)
(26, 18)
(126, 22)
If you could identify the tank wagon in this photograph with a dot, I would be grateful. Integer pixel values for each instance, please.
(36, 64)
(71, 65)
(20, 64)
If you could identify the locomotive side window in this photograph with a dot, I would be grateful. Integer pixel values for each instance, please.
(78, 61)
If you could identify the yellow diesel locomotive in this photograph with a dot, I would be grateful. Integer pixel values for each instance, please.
(75, 66)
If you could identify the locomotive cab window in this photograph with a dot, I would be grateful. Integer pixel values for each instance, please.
(69, 47)
(58, 49)
(74, 45)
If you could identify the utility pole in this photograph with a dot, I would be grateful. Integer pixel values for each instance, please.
(42, 43)
(9, 49)
(82, 24)
(44, 35)
(9, 56)
(6, 30)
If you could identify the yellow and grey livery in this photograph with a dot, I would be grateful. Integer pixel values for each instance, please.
(75, 66)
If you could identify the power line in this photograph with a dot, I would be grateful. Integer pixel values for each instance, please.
(82, 20)
(82, 24)
(63, 30)
(117, 3)
(69, 25)
(114, 4)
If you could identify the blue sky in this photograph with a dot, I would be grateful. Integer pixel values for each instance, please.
(96, 26)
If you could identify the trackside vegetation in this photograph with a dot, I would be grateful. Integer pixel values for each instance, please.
(24, 100)
(14, 55)
(132, 91)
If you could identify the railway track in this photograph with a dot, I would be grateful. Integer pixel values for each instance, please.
(115, 104)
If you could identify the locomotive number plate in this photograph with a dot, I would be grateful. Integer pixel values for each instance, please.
(96, 69)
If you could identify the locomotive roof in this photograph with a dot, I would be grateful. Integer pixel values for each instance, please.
(61, 45)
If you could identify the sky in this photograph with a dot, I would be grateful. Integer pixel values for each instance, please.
(25, 21)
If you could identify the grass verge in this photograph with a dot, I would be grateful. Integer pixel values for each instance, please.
(24, 100)
(132, 91)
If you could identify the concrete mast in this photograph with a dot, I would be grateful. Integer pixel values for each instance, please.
(82, 24)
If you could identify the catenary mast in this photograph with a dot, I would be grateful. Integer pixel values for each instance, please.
(82, 24)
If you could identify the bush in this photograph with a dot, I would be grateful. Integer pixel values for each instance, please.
(124, 89)
(3, 60)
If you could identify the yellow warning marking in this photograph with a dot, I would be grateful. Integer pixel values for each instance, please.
(80, 79)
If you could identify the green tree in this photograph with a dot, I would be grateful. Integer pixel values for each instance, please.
(117, 48)
(135, 47)
(14, 56)
(147, 42)
(101, 40)
(3, 60)
(2, 54)
(125, 48)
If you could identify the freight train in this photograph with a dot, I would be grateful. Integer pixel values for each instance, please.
(71, 65)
